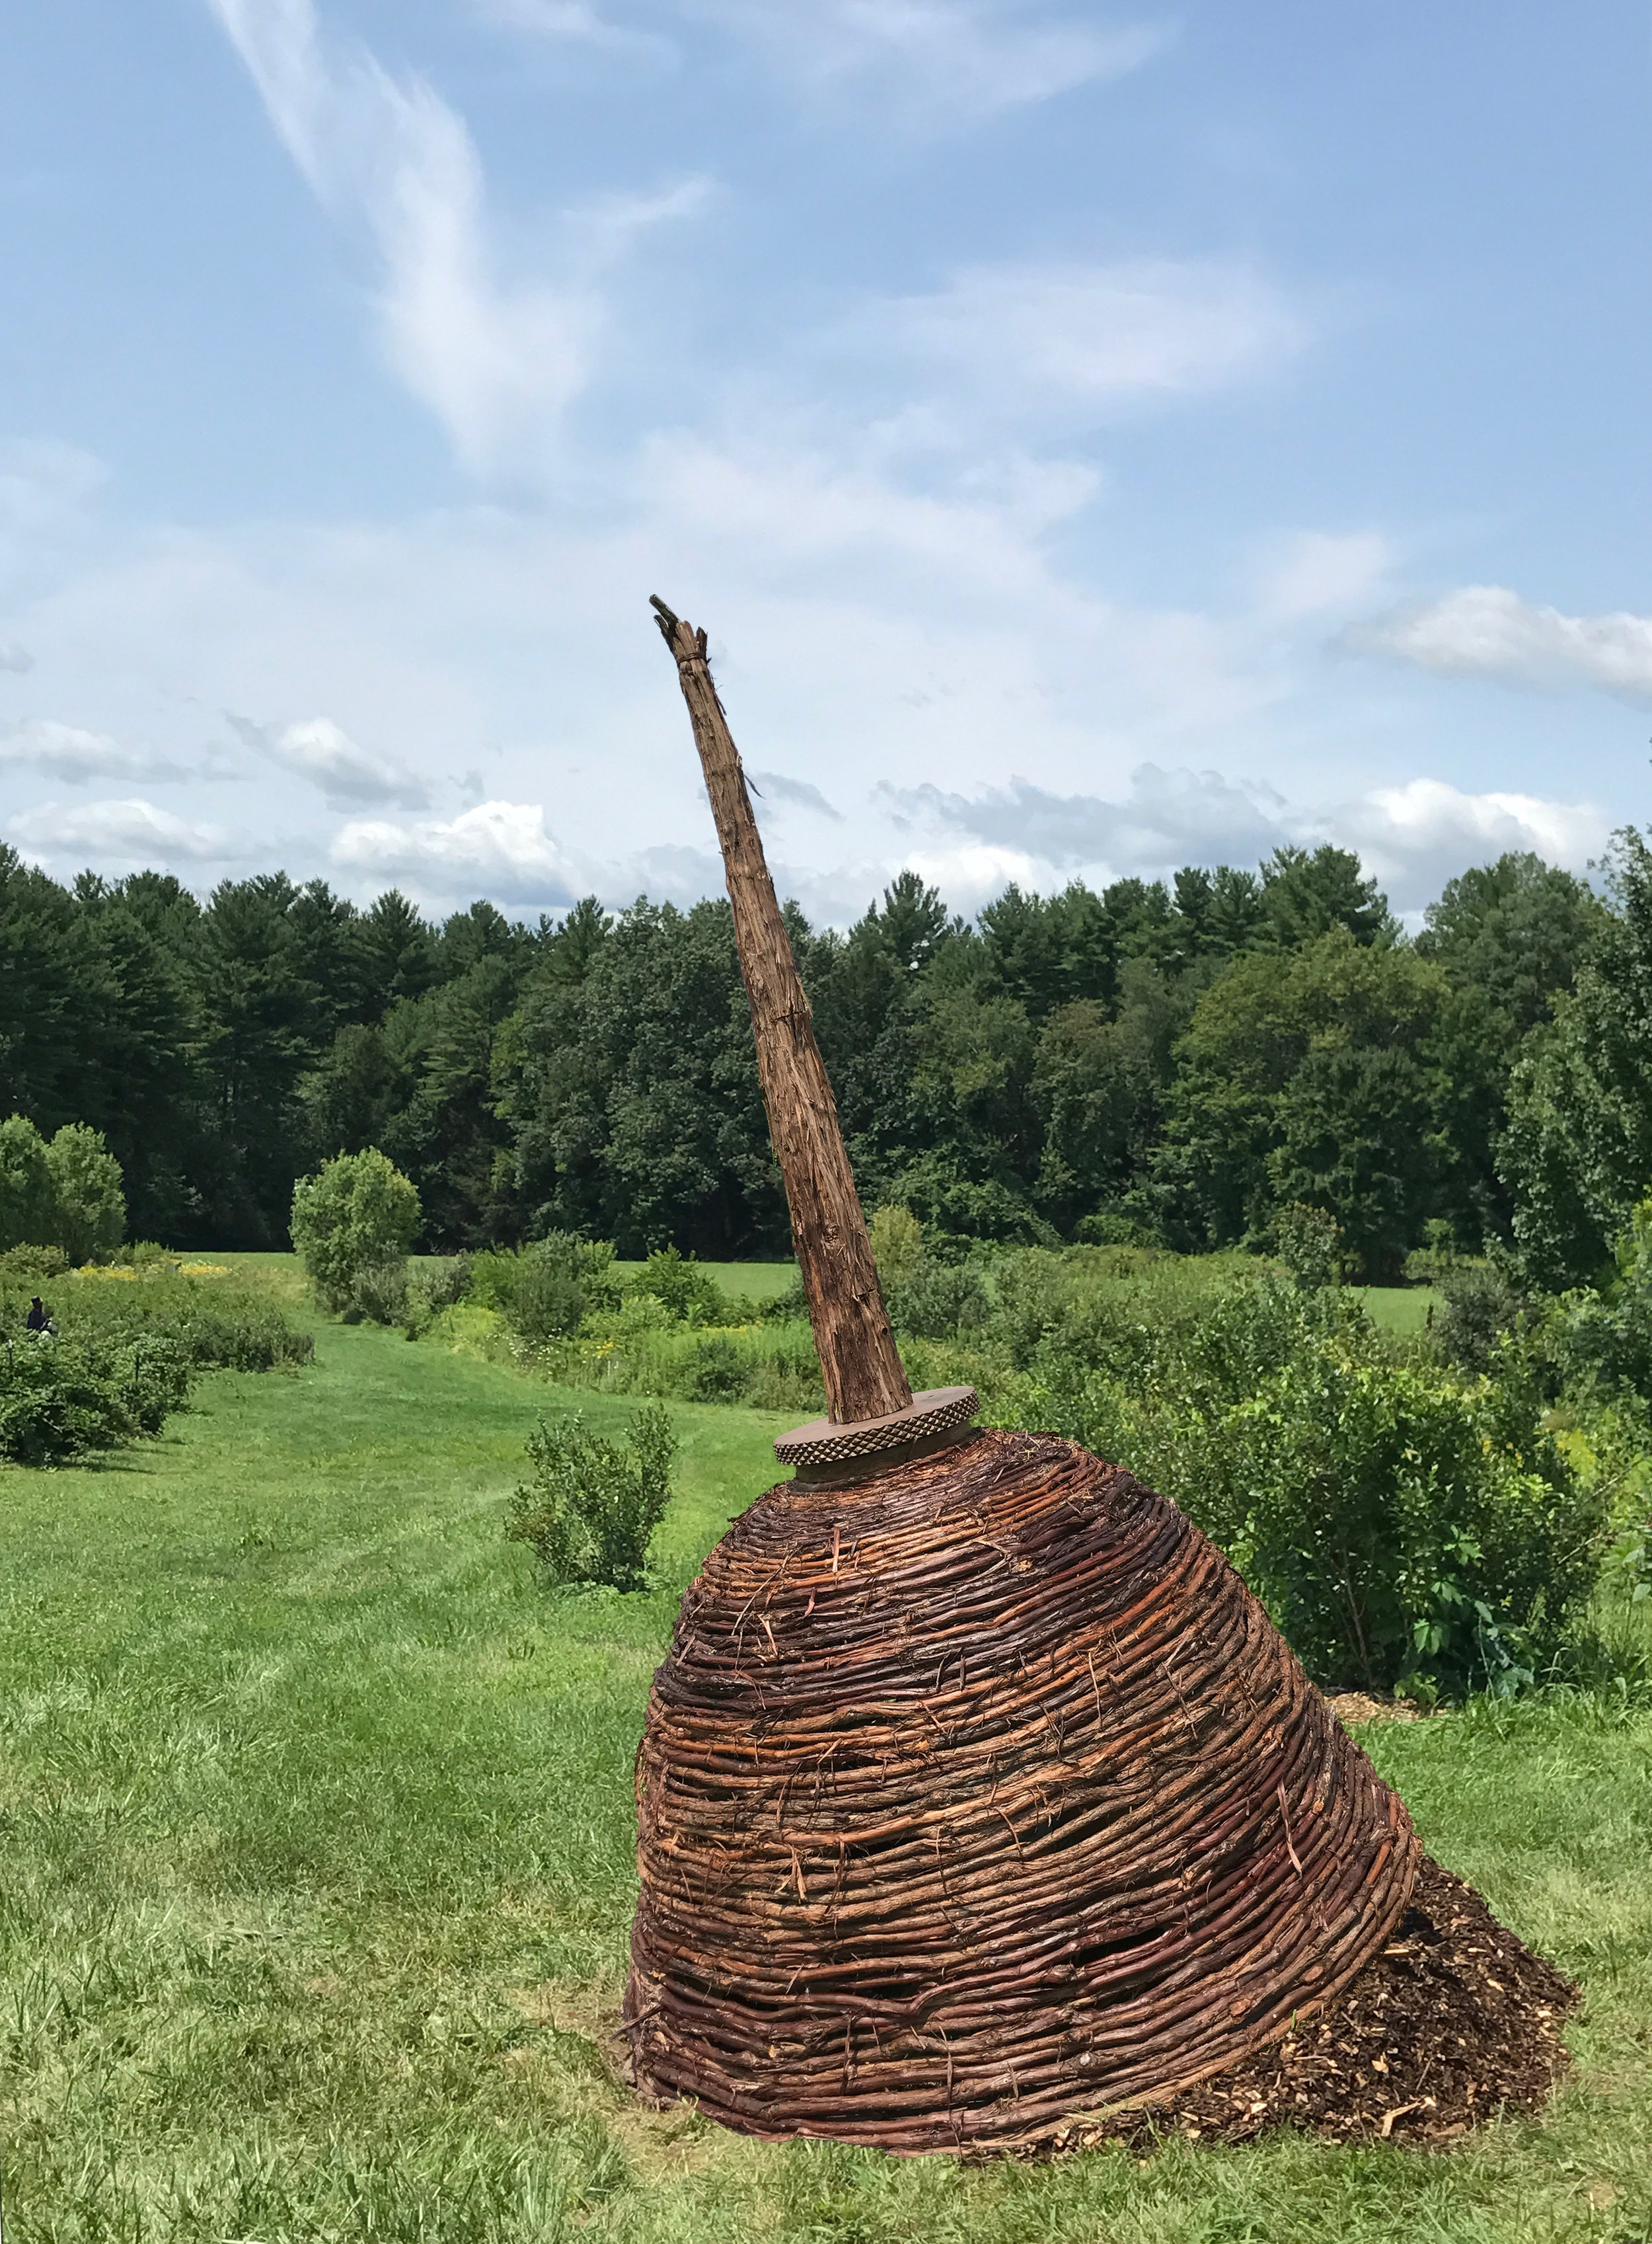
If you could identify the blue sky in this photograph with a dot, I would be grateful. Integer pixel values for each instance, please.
(1094, 440)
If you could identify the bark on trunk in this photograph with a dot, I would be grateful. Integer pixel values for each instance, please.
(864, 1377)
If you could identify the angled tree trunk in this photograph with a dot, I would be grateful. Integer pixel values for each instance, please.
(864, 1378)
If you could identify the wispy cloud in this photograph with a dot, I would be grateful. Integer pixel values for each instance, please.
(573, 23)
(962, 59)
(319, 750)
(1039, 349)
(132, 832)
(499, 849)
(1485, 631)
(1315, 573)
(70, 753)
(778, 788)
(496, 359)
(947, 62)
(14, 657)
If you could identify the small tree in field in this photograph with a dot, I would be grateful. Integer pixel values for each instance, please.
(358, 1215)
(87, 1187)
(26, 1185)
(591, 1507)
(62, 1192)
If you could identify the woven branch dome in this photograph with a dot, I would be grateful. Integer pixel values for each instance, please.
(979, 1793)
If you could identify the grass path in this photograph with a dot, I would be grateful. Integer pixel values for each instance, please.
(315, 1873)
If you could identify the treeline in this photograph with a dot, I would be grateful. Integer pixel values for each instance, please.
(1180, 1061)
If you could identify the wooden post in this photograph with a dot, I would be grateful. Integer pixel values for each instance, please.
(864, 1377)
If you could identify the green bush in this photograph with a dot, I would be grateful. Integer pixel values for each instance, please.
(379, 1295)
(33, 1262)
(1402, 1527)
(548, 1301)
(64, 1193)
(86, 1188)
(1480, 1306)
(937, 1300)
(691, 1296)
(1308, 1240)
(357, 1214)
(897, 1244)
(543, 1290)
(590, 1508)
(61, 1398)
(441, 1284)
(718, 1373)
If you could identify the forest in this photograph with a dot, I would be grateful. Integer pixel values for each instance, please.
(1180, 1063)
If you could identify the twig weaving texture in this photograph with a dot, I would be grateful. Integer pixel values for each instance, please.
(981, 1792)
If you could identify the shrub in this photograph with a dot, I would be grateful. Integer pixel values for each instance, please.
(1480, 1306)
(547, 1301)
(357, 1212)
(544, 1290)
(441, 1284)
(62, 1398)
(33, 1262)
(86, 1187)
(379, 1295)
(938, 1300)
(64, 1193)
(691, 1294)
(1122, 1225)
(1400, 1525)
(1308, 1240)
(590, 1508)
(719, 1372)
(897, 1244)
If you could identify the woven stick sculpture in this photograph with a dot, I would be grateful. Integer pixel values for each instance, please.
(977, 1791)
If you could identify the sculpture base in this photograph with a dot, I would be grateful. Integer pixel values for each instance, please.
(977, 1793)
(825, 1445)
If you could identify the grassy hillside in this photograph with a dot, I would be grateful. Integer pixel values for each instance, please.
(315, 1874)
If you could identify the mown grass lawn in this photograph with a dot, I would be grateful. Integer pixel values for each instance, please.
(315, 1874)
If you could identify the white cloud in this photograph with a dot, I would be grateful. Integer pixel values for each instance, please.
(500, 849)
(1485, 631)
(963, 58)
(1077, 340)
(1415, 836)
(132, 833)
(1428, 828)
(16, 658)
(319, 750)
(1166, 817)
(1315, 573)
(496, 360)
(74, 754)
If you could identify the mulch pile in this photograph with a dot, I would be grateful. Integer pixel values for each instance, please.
(1454, 2021)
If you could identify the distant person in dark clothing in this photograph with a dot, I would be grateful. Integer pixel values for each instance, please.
(38, 1319)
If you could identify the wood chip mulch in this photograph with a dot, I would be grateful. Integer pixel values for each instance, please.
(1455, 2021)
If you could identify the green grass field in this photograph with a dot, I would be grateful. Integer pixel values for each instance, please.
(752, 1281)
(315, 1873)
